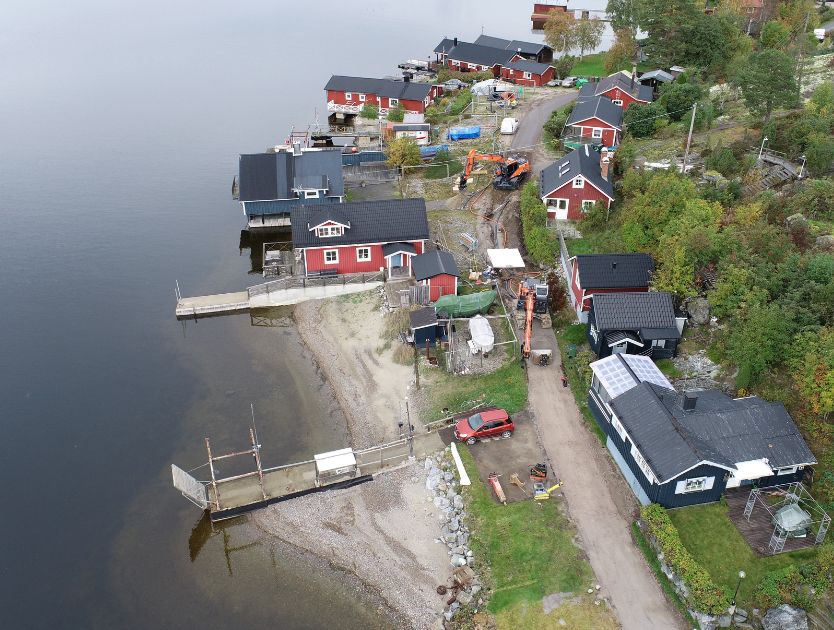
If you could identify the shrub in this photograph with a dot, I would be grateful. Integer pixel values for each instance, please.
(704, 594)
(724, 161)
(369, 111)
(540, 242)
(396, 114)
(643, 120)
(555, 124)
(678, 98)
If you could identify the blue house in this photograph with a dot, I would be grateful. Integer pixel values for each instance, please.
(271, 184)
(683, 449)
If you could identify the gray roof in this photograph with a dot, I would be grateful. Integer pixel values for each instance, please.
(411, 127)
(529, 66)
(719, 430)
(515, 45)
(614, 271)
(389, 249)
(581, 161)
(634, 311)
(445, 45)
(597, 107)
(271, 176)
(423, 317)
(433, 264)
(381, 221)
(388, 88)
(617, 80)
(481, 55)
(660, 75)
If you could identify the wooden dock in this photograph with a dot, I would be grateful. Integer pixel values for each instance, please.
(207, 305)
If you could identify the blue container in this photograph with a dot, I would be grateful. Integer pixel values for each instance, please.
(464, 133)
(432, 150)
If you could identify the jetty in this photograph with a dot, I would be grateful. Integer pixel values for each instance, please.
(281, 292)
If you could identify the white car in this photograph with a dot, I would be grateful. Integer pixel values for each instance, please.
(568, 81)
(509, 126)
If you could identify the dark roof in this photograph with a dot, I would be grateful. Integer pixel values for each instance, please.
(389, 249)
(581, 161)
(411, 126)
(271, 176)
(445, 45)
(481, 55)
(614, 271)
(423, 317)
(636, 312)
(433, 264)
(660, 75)
(597, 107)
(719, 430)
(616, 80)
(381, 221)
(515, 45)
(529, 66)
(388, 88)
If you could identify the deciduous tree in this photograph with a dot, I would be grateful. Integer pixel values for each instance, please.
(767, 81)
(813, 369)
(664, 22)
(562, 65)
(404, 152)
(560, 31)
(642, 120)
(622, 54)
(624, 15)
(588, 34)
(775, 35)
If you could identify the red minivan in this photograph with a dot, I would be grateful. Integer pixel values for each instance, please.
(486, 423)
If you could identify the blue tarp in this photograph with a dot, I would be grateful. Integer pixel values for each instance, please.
(362, 156)
(464, 133)
(432, 150)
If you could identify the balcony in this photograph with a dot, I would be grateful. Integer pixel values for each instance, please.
(574, 141)
(347, 108)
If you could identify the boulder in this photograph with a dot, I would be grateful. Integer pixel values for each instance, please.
(705, 621)
(785, 618)
(796, 220)
(448, 476)
(457, 501)
(698, 309)
(826, 241)
(441, 502)
(454, 524)
(740, 616)
(464, 598)
(725, 621)
(457, 560)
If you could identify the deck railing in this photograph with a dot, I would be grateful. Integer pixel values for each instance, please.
(296, 282)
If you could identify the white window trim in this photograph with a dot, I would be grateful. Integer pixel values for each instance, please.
(329, 231)
(363, 258)
(642, 464)
(618, 102)
(658, 343)
(393, 102)
(527, 75)
(558, 203)
(311, 194)
(619, 428)
(362, 98)
(596, 132)
(694, 484)
(587, 204)
(348, 96)
(330, 251)
(786, 471)
(579, 182)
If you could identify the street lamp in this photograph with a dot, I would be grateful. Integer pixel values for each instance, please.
(801, 168)
(762, 147)
(741, 576)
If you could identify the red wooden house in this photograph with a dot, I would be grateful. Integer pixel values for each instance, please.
(607, 273)
(438, 271)
(529, 73)
(622, 90)
(596, 121)
(542, 11)
(517, 61)
(360, 237)
(347, 95)
(573, 184)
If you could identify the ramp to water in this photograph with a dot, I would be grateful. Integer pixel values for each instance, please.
(213, 304)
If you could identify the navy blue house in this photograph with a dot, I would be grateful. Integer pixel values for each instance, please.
(634, 323)
(684, 449)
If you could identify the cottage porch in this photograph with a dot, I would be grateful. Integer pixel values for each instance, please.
(759, 529)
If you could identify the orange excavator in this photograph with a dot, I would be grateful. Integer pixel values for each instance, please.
(533, 298)
(509, 173)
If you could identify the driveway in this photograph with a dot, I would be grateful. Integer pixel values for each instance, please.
(599, 501)
(530, 130)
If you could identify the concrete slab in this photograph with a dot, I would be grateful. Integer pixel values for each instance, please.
(284, 297)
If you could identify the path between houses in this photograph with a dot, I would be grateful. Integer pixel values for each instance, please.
(598, 500)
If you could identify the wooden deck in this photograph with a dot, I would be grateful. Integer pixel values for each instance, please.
(758, 530)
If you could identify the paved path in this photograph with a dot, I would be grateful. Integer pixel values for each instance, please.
(599, 502)
(530, 130)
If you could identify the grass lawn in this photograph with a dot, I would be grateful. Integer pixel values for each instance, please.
(529, 549)
(713, 540)
(574, 335)
(590, 66)
(667, 366)
(506, 387)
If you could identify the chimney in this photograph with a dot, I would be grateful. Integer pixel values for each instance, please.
(604, 163)
(613, 264)
(689, 401)
(455, 40)
(633, 73)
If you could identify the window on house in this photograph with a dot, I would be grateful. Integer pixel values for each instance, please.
(579, 182)
(596, 133)
(786, 471)
(618, 428)
(695, 485)
(641, 462)
(363, 254)
(561, 204)
(618, 102)
(362, 97)
(332, 230)
(311, 194)
(348, 96)
(393, 102)
(331, 256)
(527, 75)
(658, 343)
(587, 205)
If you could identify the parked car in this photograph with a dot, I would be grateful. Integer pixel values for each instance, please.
(554, 83)
(509, 126)
(487, 423)
(568, 81)
(454, 84)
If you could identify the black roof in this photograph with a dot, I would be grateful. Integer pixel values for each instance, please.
(389, 249)
(528, 66)
(614, 271)
(598, 107)
(515, 45)
(481, 55)
(423, 317)
(581, 161)
(719, 430)
(433, 264)
(445, 45)
(271, 176)
(617, 80)
(388, 88)
(381, 221)
(651, 312)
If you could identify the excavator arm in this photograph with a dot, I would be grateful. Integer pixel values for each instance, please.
(472, 159)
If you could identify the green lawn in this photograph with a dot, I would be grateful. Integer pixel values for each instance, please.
(590, 66)
(528, 546)
(712, 539)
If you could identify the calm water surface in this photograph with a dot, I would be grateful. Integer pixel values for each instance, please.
(120, 124)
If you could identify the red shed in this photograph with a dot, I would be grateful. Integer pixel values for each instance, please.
(607, 273)
(573, 184)
(437, 270)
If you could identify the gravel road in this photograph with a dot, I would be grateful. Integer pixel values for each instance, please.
(530, 130)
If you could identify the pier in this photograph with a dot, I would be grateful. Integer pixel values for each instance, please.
(282, 292)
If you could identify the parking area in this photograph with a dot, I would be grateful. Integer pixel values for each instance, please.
(508, 456)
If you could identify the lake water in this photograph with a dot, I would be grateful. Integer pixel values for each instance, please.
(120, 126)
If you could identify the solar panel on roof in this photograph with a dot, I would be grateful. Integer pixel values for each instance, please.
(617, 379)
(646, 370)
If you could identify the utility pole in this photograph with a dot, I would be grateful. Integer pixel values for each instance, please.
(410, 431)
(689, 139)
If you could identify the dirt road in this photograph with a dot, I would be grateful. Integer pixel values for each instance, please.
(598, 500)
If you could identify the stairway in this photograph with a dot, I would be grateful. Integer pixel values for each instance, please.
(773, 177)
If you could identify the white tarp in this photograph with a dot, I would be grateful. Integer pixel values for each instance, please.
(482, 334)
(335, 461)
(754, 469)
(485, 88)
(505, 259)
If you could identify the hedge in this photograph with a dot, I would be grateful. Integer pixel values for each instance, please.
(541, 243)
(704, 594)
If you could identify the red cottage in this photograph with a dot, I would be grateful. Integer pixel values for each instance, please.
(529, 73)
(438, 271)
(360, 237)
(607, 273)
(622, 90)
(573, 184)
(596, 122)
(347, 95)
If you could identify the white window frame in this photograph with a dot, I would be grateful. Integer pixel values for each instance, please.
(348, 96)
(561, 203)
(579, 182)
(618, 102)
(641, 463)
(596, 132)
(359, 254)
(527, 75)
(393, 102)
(786, 471)
(329, 231)
(587, 204)
(619, 428)
(311, 194)
(694, 484)
(335, 253)
(361, 98)
(658, 343)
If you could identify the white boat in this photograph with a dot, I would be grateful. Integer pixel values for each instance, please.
(483, 339)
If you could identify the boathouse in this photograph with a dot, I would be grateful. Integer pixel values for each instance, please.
(360, 237)
(533, 51)
(348, 95)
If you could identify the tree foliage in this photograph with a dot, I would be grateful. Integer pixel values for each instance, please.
(622, 53)
(396, 114)
(820, 153)
(813, 369)
(664, 22)
(680, 97)
(624, 15)
(767, 81)
(588, 33)
(404, 152)
(369, 111)
(775, 35)
(563, 65)
(641, 121)
(541, 244)
(560, 31)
